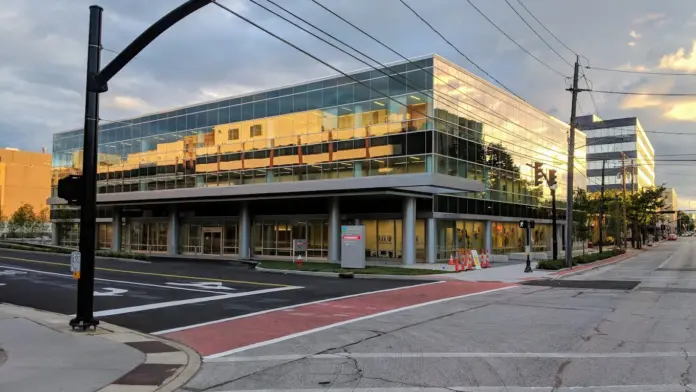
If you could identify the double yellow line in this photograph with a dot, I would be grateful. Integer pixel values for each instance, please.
(199, 278)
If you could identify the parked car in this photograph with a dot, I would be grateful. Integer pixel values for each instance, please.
(672, 237)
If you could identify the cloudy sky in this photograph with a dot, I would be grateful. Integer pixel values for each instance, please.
(211, 54)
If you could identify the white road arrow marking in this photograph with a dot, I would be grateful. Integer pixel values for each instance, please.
(110, 292)
(203, 285)
(12, 273)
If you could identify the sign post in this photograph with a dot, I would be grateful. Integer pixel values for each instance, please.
(300, 246)
(352, 246)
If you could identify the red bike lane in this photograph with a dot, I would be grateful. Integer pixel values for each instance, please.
(228, 336)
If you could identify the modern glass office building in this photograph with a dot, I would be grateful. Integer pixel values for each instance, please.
(610, 140)
(427, 156)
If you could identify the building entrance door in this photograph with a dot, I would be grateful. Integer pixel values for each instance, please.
(212, 241)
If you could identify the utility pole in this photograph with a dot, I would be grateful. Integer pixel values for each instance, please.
(571, 158)
(623, 192)
(601, 208)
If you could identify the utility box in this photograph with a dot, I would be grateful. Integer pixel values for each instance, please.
(352, 246)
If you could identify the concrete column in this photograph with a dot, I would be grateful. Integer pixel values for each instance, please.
(429, 163)
(244, 232)
(200, 181)
(116, 230)
(334, 231)
(269, 176)
(442, 240)
(488, 237)
(408, 224)
(55, 235)
(173, 240)
(357, 169)
(431, 240)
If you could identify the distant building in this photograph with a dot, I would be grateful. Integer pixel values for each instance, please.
(607, 140)
(25, 177)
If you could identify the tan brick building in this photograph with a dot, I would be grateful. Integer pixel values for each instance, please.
(25, 177)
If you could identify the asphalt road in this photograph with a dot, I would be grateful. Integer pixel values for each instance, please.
(622, 328)
(157, 296)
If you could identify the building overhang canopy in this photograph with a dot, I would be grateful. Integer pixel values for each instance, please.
(417, 184)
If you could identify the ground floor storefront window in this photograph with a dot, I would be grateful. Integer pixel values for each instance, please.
(273, 237)
(104, 235)
(68, 234)
(453, 235)
(146, 237)
(384, 239)
(508, 237)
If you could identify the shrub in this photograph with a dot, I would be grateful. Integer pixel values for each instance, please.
(553, 264)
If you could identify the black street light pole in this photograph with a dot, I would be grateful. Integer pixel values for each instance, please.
(553, 222)
(97, 83)
(88, 211)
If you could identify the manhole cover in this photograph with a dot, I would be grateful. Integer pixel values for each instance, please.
(586, 284)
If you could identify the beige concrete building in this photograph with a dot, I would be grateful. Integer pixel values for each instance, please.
(25, 177)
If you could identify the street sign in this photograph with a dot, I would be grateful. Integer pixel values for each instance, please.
(299, 245)
(75, 261)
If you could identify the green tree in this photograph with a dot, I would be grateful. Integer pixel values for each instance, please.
(642, 209)
(23, 219)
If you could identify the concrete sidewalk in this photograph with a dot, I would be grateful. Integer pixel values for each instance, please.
(509, 273)
(39, 352)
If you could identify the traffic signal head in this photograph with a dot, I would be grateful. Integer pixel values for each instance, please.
(538, 173)
(70, 189)
(552, 177)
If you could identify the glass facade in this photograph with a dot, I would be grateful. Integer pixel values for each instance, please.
(428, 116)
(608, 143)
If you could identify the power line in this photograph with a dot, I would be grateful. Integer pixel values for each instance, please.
(640, 72)
(483, 107)
(511, 39)
(454, 47)
(587, 83)
(537, 34)
(364, 62)
(326, 63)
(644, 93)
(547, 30)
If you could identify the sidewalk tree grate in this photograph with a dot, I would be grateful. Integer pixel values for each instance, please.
(586, 284)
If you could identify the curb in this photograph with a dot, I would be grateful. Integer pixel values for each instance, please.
(602, 263)
(356, 276)
(166, 367)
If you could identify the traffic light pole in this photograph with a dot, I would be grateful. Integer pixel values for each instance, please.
(601, 209)
(88, 211)
(97, 83)
(553, 224)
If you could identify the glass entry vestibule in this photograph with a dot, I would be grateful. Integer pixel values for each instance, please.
(212, 238)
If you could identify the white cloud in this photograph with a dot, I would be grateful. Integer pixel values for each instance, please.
(123, 102)
(680, 60)
(684, 111)
(649, 18)
(634, 34)
(631, 44)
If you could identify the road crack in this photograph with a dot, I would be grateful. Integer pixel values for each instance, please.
(686, 375)
(558, 377)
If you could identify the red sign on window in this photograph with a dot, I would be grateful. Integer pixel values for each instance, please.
(351, 237)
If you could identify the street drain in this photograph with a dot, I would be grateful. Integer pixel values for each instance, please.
(586, 284)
